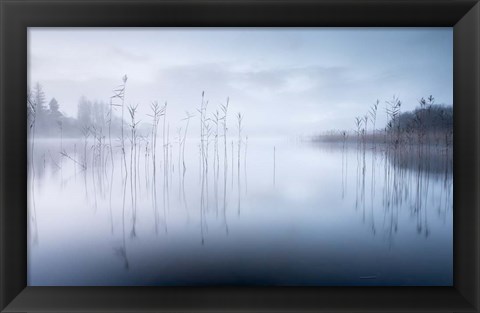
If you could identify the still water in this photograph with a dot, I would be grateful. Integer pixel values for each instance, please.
(281, 212)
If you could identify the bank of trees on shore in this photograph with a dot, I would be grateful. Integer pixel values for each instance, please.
(50, 121)
(428, 124)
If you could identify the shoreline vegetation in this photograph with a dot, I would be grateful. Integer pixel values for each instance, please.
(50, 121)
(428, 125)
(113, 130)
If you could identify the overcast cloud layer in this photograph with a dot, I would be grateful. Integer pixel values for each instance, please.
(285, 81)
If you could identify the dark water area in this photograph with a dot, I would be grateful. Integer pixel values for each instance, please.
(277, 213)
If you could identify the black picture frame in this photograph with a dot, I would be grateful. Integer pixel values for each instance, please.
(17, 15)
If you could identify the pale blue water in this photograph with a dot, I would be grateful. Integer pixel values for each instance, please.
(326, 215)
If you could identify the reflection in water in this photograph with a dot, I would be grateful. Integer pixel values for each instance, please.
(122, 251)
(407, 184)
(32, 173)
(239, 149)
(245, 165)
(298, 230)
(274, 166)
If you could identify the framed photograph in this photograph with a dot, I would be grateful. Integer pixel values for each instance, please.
(239, 156)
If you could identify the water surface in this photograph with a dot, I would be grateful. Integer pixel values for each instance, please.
(288, 213)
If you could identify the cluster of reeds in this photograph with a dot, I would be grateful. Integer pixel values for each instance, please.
(408, 141)
(99, 155)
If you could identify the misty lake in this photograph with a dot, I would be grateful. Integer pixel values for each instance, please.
(287, 213)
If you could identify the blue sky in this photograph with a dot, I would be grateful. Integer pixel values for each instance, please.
(286, 81)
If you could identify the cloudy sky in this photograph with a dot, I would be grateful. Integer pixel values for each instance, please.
(286, 81)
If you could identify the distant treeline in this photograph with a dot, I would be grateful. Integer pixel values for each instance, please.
(428, 124)
(50, 121)
(436, 117)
